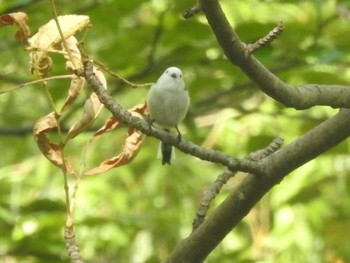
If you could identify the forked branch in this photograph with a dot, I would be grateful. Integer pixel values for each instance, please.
(298, 97)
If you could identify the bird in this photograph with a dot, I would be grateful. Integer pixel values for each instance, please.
(168, 102)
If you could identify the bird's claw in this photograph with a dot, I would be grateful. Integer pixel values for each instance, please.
(178, 138)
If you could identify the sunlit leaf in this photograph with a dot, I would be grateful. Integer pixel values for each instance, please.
(74, 60)
(48, 37)
(76, 85)
(92, 109)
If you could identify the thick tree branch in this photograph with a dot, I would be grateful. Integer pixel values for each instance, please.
(207, 236)
(298, 97)
(328, 134)
(315, 142)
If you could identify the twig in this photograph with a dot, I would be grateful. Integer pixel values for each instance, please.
(214, 189)
(35, 82)
(28, 130)
(192, 11)
(64, 42)
(274, 146)
(266, 40)
(72, 247)
(117, 76)
(209, 195)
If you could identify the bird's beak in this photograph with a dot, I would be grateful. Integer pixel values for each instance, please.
(173, 75)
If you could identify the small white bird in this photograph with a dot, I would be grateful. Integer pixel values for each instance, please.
(168, 103)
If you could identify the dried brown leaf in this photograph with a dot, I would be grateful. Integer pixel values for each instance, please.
(76, 85)
(51, 151)
(48, 37)
(92, 109)
(41, 64)
(20, 20)
(140, 109)
(74, 61)
(131, 146)
(112, 123)
(109, 125)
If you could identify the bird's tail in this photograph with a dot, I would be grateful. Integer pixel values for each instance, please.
(166, 152)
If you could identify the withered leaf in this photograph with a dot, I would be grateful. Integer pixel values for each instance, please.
(20, 20)
(48, 37)
(51, 151)
(92, 109)
(131, 145)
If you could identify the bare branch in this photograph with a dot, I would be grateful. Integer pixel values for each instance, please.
(266, 40)
(298, 97)
(120, 78)
(274, 146)
(313, 143)
(71, 245)
(192, 11)
(209, 195)
(213, 190)
(248, 192)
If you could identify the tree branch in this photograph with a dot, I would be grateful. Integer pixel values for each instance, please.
(192, 11)
(208, 235)
(214, 189)
(232, 163)
(204, 239)
(313, 143)
(266, 40)
(328, 134)
(298, 97)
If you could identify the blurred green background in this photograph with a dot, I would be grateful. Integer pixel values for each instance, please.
(138, 213)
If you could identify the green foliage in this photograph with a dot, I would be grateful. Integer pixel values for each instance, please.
(138, 213)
